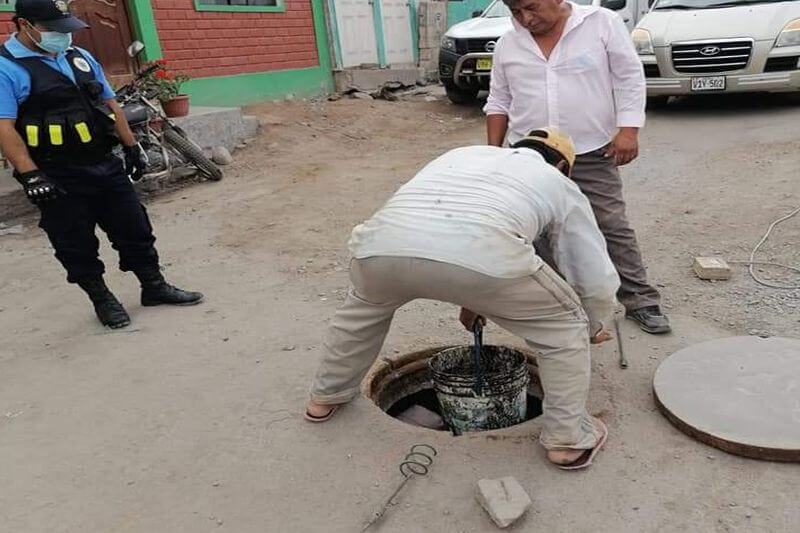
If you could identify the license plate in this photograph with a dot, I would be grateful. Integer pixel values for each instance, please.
(708, 83)
(483, 64)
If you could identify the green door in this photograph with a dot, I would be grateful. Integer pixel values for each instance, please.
(460, 10)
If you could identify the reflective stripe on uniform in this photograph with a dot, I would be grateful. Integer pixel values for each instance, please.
(83, 132)
(56, 135)
(32, 133)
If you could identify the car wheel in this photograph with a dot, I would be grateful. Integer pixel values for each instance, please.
(460, 96)
(657, 102)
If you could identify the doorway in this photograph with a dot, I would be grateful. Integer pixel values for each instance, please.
(107, 37)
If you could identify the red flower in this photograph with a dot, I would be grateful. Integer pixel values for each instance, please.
(163, 75)
(162, 62)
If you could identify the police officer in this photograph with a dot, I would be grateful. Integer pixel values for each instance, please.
(59, 122)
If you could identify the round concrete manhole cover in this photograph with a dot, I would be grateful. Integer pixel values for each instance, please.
(740, 394)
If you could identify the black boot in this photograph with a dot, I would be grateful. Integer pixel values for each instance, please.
(108, 309)
(156, 291)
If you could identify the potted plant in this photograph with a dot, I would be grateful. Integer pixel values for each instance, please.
(166, 87)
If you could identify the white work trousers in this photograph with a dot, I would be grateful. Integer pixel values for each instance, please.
(542, 309)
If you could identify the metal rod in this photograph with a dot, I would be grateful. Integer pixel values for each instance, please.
(477, 350)
(623, 361)
(379, 514)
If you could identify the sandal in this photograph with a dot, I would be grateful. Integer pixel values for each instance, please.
(586, 458)
(324, 418)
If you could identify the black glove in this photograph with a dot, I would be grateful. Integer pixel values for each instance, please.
(136, 161)
(38, 188)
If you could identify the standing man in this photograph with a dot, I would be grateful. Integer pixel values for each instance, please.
(59, 122)
(462, 231)
(574, 67)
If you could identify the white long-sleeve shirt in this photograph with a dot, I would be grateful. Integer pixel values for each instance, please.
(481, 207)
(592, 84)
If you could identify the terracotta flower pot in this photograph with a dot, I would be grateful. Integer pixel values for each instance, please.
(177, 107)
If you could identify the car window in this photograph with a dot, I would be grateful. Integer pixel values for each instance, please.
(497, 10)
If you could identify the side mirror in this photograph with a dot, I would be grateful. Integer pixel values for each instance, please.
(613, 5)
(135, 48)
(476, 14)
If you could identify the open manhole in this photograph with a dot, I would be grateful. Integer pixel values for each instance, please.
(402, 386)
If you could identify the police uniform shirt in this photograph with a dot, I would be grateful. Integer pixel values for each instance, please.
(15, 82)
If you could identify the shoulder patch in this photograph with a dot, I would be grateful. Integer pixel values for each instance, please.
(81, 64)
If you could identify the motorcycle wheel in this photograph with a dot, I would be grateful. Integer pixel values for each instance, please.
(193, 153)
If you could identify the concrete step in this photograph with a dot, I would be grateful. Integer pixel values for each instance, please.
(218, 126)
(371, 79)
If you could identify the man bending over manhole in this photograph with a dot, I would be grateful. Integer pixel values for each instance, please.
(461, 232)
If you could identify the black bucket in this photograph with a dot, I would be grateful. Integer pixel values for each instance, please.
(504, 385)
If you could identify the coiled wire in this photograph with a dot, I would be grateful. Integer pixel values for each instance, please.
(418, 462)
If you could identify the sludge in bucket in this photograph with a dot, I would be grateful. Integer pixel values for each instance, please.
(503, 399)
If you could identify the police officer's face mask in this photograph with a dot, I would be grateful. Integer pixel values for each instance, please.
(50, 41)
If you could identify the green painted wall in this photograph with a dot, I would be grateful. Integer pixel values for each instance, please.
(144, 28)
(246, 89)
(461, 10)
(380, 39)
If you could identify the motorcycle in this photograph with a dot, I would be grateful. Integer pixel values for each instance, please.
(166, 144)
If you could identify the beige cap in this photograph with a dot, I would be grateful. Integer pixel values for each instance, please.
(553, 138)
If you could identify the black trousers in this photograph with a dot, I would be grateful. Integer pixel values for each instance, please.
(98, 194)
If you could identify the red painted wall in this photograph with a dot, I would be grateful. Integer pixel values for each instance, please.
(207, 43)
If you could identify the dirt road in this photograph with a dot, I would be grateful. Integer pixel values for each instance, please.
(189, 421)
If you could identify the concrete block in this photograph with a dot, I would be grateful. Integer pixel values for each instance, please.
(432, 18)
(218, 126)
(425, 55)
(504, 499)
(711, 268)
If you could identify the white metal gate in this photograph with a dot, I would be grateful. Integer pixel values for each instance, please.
(397, 31)
(356, 32)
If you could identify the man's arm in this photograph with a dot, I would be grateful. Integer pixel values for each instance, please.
(135, 159)
(38, 188)
(14, 148)
(121, 125)
(12, 90)
(496, 128)
(630, 91)
(499, 101)
(580, 252)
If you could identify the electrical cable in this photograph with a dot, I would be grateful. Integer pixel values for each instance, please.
(752, 262)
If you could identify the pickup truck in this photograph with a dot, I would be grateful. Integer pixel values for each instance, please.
(465, 55)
